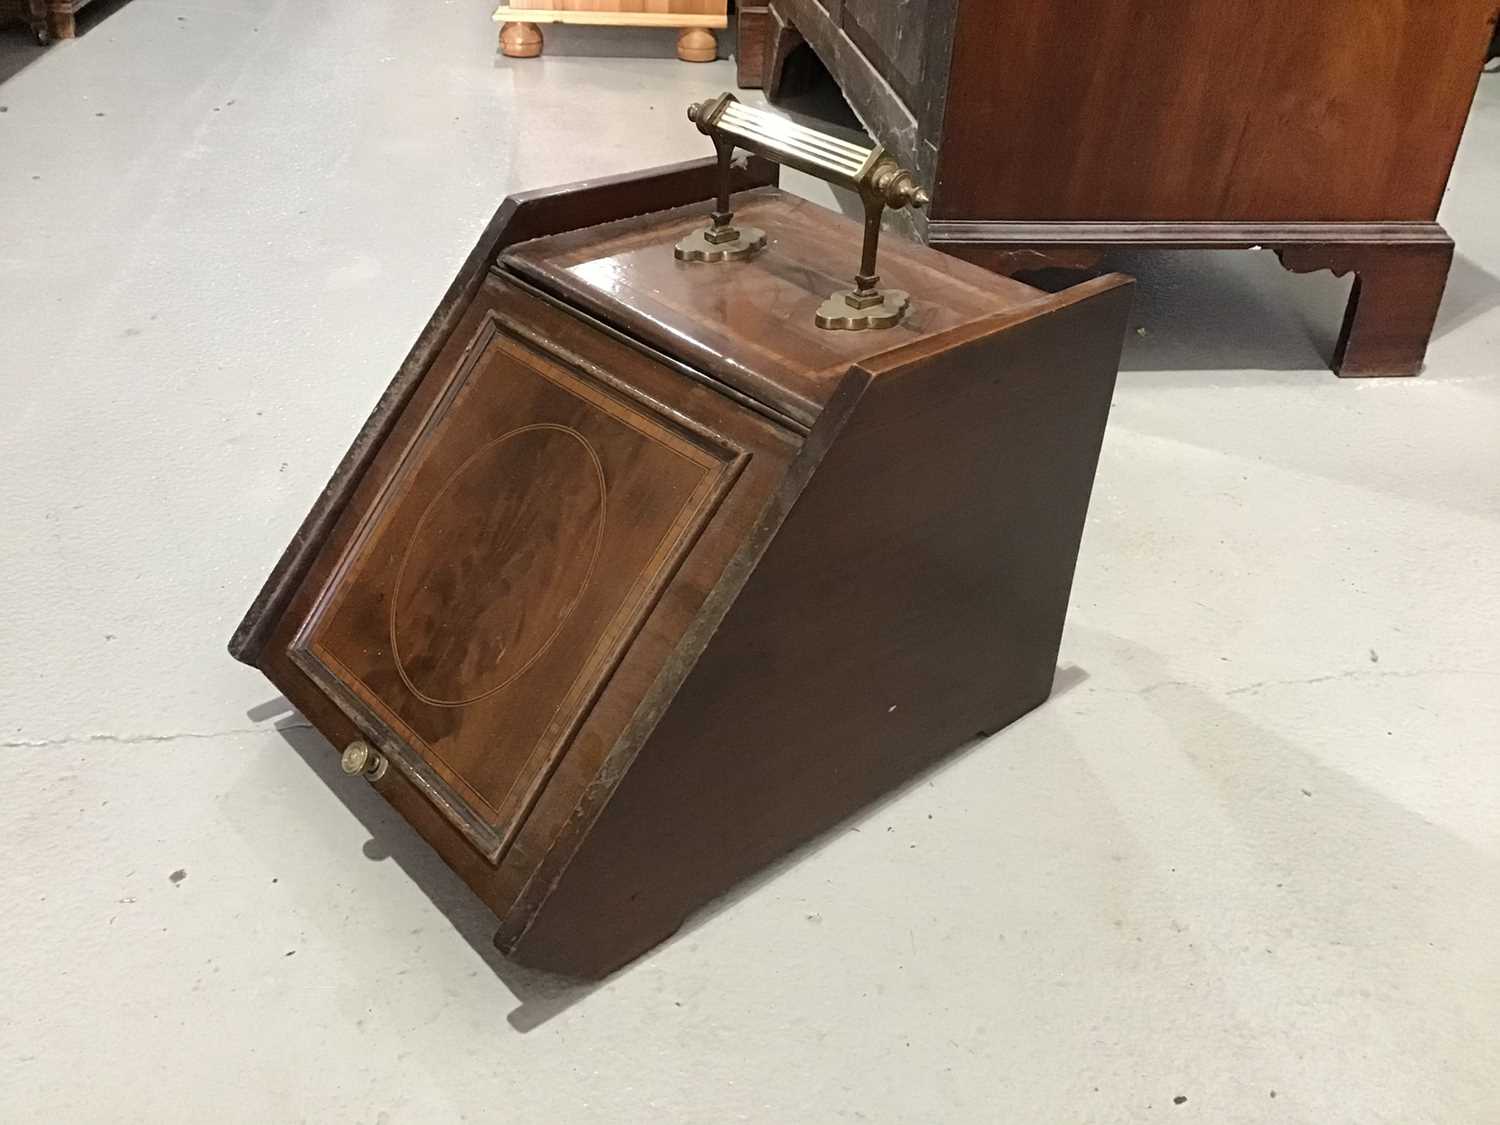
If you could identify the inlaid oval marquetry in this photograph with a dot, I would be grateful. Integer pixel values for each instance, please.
(498, 561)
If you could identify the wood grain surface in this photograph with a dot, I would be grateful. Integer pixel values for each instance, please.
(519, 218)
(620, 13)
(1342, 110)
(626, 633)
(911, 600)
(750, 323)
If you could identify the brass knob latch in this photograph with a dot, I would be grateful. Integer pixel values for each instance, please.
(361, 758)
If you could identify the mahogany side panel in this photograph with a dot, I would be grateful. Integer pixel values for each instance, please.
(913, 598)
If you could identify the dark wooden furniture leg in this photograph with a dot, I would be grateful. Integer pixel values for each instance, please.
(1400, 269)
(782, 39)
(1393, 305)
(750, 54)
(60, 19)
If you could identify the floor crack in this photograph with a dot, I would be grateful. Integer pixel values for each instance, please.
(1261, 685)
(144, 739)
(1358, 674)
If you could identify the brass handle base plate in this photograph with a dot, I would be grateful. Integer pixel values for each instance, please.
(837, 312)
(697, 248)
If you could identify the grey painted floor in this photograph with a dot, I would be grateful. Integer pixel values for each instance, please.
(1249, 855)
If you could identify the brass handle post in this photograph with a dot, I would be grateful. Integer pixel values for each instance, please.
(869, 170)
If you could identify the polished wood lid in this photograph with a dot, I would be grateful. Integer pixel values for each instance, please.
(750, 323)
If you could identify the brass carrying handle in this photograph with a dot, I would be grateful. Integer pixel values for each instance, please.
(869, 170)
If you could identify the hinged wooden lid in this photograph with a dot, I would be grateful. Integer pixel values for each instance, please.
(750, 323)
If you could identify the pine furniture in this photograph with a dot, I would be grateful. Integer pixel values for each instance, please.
(521, 35)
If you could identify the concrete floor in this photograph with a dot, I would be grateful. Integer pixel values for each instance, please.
(1248, 856)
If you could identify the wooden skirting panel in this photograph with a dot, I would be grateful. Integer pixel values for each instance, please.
(1180, 236)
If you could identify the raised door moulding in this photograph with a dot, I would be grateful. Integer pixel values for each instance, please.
(530, 614)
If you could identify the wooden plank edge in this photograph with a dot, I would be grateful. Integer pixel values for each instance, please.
(508, 13)
(948, 234)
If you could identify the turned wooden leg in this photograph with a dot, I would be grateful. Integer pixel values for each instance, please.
(697, 44)
(1393, 305)
(520, 40)
(60, 19)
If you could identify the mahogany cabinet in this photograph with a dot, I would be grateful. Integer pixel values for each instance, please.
(636, 578)
(1049, 133)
